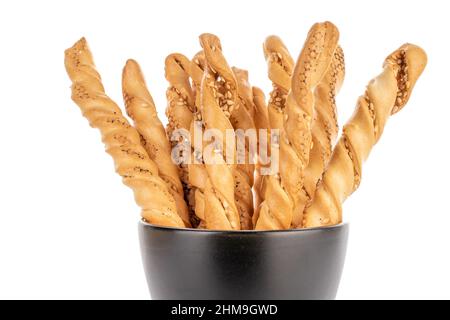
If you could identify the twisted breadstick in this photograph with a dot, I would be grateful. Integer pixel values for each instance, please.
(261, 118)
(280, 65)
(196, 72)
(122, 141)
(219, 99)
(285, 189)
(241, 119)
(324, 129)
(197, 172)
(141, 108)
(180, 98)
(245, 94)
(385, 95)
(179, 111)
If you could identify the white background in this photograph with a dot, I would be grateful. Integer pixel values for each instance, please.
(68, 227)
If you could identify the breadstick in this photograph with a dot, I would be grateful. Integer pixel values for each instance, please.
(141, 108)
(122, 141)
(179, 111)
(280, 65)
(261, 119)
(245, 93)
(241, 119)
(385, 95)
(324, 129)
(197, 172)
(181, 103)
(218, 101)
(196, 72)
(285, 189)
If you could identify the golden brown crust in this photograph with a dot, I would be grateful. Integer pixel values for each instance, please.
(180, 113)
(197, 172)
(180, 98)
(122, 141)
(241, 119)
(324, 128)
(362, 131)
(280, 66)
(295, 141)
(261, 119)
(245, 93)
(196, 72)
(141, 109)
(218, 101)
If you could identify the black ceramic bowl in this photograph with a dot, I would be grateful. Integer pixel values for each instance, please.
(199, 264)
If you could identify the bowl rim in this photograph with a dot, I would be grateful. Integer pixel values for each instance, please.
(237, 232)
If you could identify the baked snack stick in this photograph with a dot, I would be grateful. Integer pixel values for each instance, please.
(122, 141)
(141, 108)
(261, 119)
(197, 172)
(218, 101)
(296, 138)
(180, 113)
(245, 94)
(196, 72)
(280, 65)
(285, 189)
(180, 98)
(324, 129)
(385, 95)
(242, 121)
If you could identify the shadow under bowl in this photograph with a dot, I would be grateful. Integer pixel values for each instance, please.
(182, 264)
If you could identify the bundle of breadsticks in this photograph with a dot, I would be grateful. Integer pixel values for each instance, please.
(313, 168)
